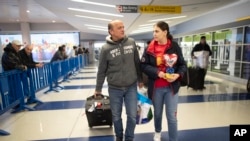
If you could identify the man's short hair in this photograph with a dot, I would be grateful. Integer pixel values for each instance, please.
(203, 37)
(110, 26)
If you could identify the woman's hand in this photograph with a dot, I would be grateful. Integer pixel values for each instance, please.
(171, 77)
(161, 74)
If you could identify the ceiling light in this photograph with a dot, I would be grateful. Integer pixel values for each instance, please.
(163, 19)
(95, 26)
(28, 11)
(137, 32)
(151, 24)
(145, 27)
(147, 24)
(94, 3)
(93, 18)
(95, 12)
(98, 29)
(142, 30)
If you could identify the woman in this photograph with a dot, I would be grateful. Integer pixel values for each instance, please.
(164, 65)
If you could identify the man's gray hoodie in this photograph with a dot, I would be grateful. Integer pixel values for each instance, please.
(119, 61)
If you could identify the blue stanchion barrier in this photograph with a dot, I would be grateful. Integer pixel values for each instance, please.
(12, 84)
(73, 65)
(39, 79)
(16, 85)
(66, 70)
(81, 61)
(56, 74)
(86, 59)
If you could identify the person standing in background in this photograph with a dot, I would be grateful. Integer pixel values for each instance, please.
(27, 58)
(202, 46)
(11, 59)
(60, 54)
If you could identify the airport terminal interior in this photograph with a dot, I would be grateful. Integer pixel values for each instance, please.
(202, 115)
(60, 113)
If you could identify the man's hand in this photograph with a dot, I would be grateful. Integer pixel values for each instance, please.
(39, 65)
(23, 68)
(140, 85)
(96, 93)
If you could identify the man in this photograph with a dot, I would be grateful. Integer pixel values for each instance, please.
(119, 61)
(11, 59)
(202, 46)
(60, 54)
(27, 58)
(74, 51)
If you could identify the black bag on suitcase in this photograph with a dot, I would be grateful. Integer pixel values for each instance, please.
(185, 79)
(98, 111)
(196, 77)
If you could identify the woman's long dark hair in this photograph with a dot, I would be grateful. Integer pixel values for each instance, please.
(164, 27)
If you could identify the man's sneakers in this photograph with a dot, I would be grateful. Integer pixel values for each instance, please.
(157, 136)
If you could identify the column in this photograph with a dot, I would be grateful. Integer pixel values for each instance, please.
(25, 30)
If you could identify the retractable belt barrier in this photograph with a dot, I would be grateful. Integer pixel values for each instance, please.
(16, 85)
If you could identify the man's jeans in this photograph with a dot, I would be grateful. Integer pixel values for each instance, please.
(165, 96)
(129, 96)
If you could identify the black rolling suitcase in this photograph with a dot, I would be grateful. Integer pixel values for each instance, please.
(98, 111)
(196, 78)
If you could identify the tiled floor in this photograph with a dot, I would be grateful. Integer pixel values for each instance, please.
(202, 115)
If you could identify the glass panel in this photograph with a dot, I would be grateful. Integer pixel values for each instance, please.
(238, 52)
(247, 35)
(45, 45)
(246, 53)
(229, 47)
(237, 69)
(219, 68)
(5, 39)
(245, 70)
(239, 35)
(196, 39)
(186, 45)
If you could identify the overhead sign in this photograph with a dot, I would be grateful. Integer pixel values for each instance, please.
(148, 9)
(160, 9)
(127, 8)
